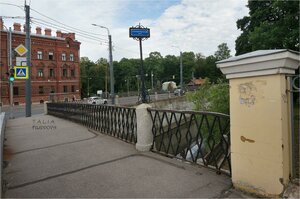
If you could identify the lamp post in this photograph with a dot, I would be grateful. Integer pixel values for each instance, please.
(152, 80)
(111, 67)
(88, 88)
(181, 75)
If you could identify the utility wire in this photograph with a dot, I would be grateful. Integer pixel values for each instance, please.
(68, 29)
(66, 24)
(78, 34)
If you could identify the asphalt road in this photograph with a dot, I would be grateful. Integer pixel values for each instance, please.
(19, 111)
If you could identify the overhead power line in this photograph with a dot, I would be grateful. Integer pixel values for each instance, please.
(49, 24)
(67, 30)
(66, 24)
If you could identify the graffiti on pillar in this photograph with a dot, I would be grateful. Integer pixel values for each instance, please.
(247, 93)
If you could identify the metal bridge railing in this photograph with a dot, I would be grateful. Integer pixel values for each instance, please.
(198, 137)
(116, 121)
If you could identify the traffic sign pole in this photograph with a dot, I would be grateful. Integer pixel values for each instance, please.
(11, 110)
(28, 56)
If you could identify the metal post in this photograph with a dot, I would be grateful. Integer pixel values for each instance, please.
(152, 80)
(11, 109)
(112, 89)
(88, 88)
(28, 56)
(142, 73)
(181, 75)
(127, 87)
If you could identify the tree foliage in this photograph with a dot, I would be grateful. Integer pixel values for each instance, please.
(167, 68)
(272, 24)
(212, 97)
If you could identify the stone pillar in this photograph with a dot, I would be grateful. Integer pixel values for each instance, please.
(46, 108)
(144, 126)
(259, 117)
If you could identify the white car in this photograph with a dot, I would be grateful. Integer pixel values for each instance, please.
(96, 100)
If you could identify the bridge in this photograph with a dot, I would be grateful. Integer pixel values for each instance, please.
(53, 157)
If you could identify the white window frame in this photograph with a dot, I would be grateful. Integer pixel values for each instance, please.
(40, 73)
(63, 57)
(39, 54)
(51, 53)
(71, 57)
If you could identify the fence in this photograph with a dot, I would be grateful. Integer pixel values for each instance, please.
(116, 121)
(198, 137)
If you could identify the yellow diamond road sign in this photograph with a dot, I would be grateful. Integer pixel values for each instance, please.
(21, 50)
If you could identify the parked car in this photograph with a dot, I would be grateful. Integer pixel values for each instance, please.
(179, 91)
(96, 100)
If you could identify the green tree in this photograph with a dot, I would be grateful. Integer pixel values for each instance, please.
(223, 52)
(212, 97)
(271, 25)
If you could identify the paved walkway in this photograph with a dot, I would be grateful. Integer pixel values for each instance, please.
(52, 157)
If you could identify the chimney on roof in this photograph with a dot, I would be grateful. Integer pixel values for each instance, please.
(24, 28)
(1, 23)
(38, 30)
(58, 33)
(17, 27)
(48, 31)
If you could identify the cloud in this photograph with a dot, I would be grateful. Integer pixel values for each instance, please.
(194, 25)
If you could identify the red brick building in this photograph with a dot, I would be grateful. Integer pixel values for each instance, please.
(55, 65)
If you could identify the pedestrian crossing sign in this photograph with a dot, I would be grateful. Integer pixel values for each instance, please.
(21, 72)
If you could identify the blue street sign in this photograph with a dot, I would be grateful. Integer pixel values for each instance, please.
(21, 72)
(139, 32)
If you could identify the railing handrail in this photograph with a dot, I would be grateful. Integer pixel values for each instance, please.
(189, 112)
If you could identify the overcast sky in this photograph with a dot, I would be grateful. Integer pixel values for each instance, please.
(192, 25)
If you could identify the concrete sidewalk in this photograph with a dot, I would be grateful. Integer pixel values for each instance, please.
(52, 157)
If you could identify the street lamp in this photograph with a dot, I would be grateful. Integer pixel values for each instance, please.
(152, 80)
(112, 90)
(88, 90)
(181, 78)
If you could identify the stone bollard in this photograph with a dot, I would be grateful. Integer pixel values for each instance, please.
(117, 99)
(144, 126)
(156, 96)
(45, 108)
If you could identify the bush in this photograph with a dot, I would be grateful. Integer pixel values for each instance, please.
(211, 97)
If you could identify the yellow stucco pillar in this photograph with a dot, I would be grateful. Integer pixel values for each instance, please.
(259, 117)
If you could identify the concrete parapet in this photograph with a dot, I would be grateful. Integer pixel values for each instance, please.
(144, 126)
(2, 128)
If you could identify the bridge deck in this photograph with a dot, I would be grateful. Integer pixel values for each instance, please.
(52, 157)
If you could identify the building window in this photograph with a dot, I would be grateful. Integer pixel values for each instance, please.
(51, 72)
(71, 57)
(52, 89)
(50, 56)
(40, 73)
(65, 89)
(39, 54)
(16, 90)
(72, 73)
(73, 88)
(64, 72)
(63, 57)
(41, 90)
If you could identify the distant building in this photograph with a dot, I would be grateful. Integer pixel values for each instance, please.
(55, 65)
(195, 83)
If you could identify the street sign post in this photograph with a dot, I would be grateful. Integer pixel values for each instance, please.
(21, 72)
(140, 33)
